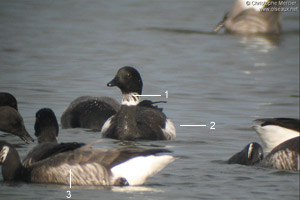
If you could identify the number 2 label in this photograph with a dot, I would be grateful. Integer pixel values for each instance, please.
(213, 125)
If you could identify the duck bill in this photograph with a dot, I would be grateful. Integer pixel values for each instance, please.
(113, 82)
(26, 137)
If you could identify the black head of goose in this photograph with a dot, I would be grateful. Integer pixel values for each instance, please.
(12, 122)
(126, 166)
(136, 120)
(253, 17)
(284, 156)
(46, 126)
(274, 131)
(7, 99)
(46, 130)
(89, 112)
(251, 154)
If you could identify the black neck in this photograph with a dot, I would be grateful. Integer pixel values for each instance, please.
(48, 135)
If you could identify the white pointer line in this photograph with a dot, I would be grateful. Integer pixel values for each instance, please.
(148, 95)
(193, 125)
(70, 178)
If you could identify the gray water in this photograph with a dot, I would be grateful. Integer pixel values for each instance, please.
(52, 52)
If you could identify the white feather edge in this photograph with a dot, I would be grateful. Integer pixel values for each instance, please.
(106, 125)
(3, 153)
(137, 170)
(272, 135)
(250, 149)
(169, 131)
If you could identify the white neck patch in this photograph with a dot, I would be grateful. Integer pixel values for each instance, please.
(131, 99)
(3, 153)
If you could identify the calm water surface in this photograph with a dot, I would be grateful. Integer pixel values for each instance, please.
(54, 51)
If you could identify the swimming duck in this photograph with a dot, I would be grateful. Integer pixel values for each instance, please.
(89, 112)
(136, 120)
(273, 131)
(252, 17)
(284, 156)
(125, 166)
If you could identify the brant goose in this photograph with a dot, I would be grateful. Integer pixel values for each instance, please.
(46, 130)
(285, 156)
(125, 166)
(89, 112)
(136, 120)
(12, 122)
(273, 131)
(252, 17)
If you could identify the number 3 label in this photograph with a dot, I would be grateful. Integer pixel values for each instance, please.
(69, 194)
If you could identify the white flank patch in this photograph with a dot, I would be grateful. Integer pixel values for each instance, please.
(169, 130)
(82, 174)
(283, 160)
(272, 135)
(131, 99)
(3, 153)
(106, 125)
(137, 170)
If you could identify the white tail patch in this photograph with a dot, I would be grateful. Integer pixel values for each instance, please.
(137, 170)
(3, 153)
(272, 135)
(169, 131)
